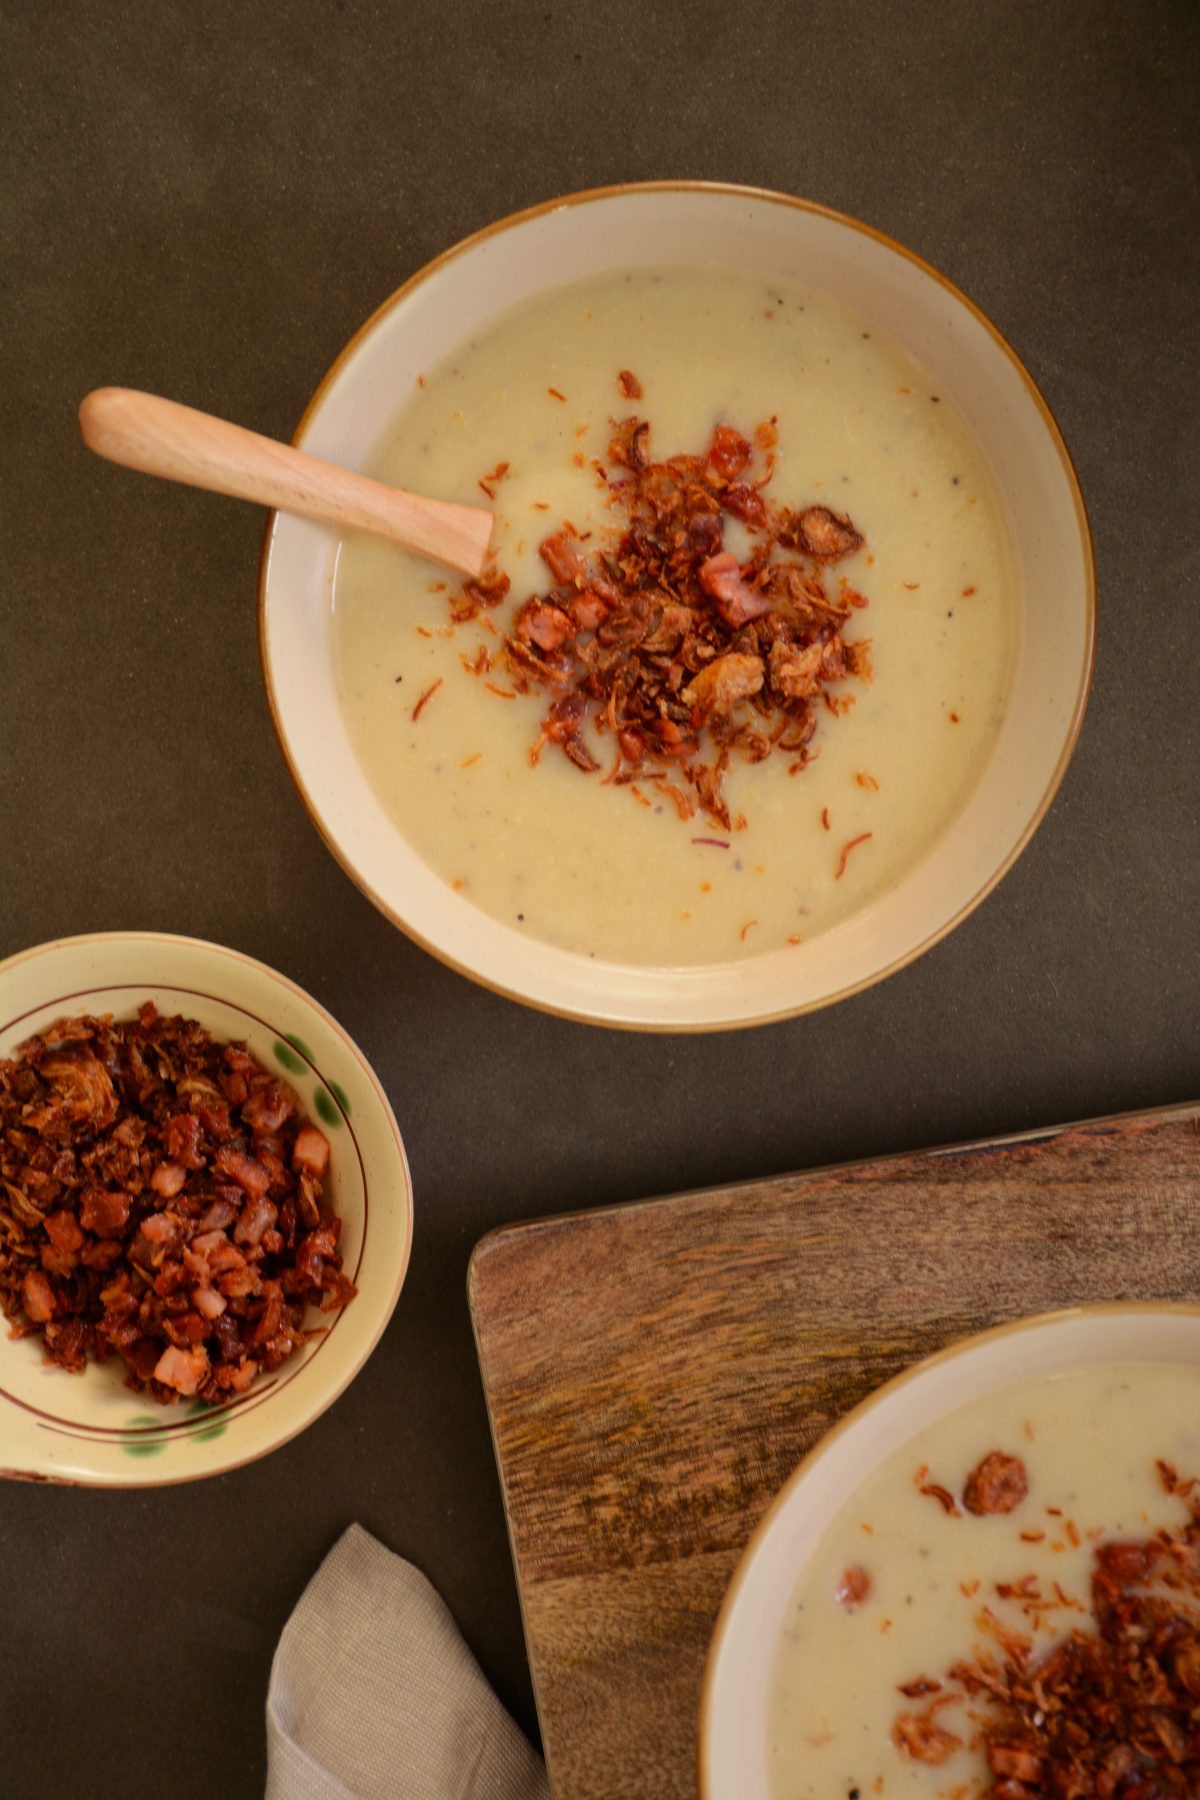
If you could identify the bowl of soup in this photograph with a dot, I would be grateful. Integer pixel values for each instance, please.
(942, 1589)
(926, 525)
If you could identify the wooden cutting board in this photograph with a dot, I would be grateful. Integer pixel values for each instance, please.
(653, 1373)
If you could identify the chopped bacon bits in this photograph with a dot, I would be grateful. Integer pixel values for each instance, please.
(1112, 1710)
(661, 638)
(629, 384)
(178, 1205)
(997, 1485)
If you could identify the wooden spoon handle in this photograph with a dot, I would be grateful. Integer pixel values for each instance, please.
(161, 437)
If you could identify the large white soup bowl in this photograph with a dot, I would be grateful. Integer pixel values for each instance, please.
(778, 238)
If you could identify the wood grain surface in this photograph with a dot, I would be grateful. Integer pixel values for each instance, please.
(654, 1372)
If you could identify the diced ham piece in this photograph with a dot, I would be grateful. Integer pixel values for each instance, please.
(562, 559)
(247, 1171)
(104, 1213)
(182, 1138)
(157, 1237)
(239, 1379)
(208, 1302)
(271, 1318)
(239, 1282)
(62, 1228)
(168, 1178)
(258, 1216)
(737, 602)
(221, 1213)
(37, 1297)
(267, 1109)
(589, 610)
(311, 1151)
(547, 626)
(184, 1370)
(215, 1119)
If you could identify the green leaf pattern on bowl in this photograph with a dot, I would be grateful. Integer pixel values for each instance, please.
(196, 1430)
(326, 1101)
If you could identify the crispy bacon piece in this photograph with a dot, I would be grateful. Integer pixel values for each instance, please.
(745, 503)
(562, 559)
(854, 1586)
(182, 1137)
(266, 1110)
(146, 1210)
(629, 384)
(729, 452)
(311, 1151)
(737, 602)
(997, 1485)
(544, 625)
(183, 1370)
(247, 1171)
(62, 1228)
(37, 1297)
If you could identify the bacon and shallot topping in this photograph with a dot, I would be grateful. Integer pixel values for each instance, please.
(663, 640)
(162, 1202)
(1112, 1710)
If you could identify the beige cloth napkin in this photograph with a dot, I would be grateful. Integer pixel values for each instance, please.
(375, 1696)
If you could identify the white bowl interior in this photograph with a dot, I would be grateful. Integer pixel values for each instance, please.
(782, 240)
(733, 1749)
(91, 1427)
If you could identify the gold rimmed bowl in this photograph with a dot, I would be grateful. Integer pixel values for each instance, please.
(775, 237)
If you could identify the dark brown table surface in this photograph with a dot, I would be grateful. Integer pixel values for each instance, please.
(206, 200)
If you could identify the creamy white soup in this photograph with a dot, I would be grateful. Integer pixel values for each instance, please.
(554, 851)
(1089, 1443)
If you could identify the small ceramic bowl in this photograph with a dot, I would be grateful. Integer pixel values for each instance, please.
(680, 224)
(733, 1710)
(91, 1429)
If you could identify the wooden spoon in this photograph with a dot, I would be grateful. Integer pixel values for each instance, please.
(160, 437)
